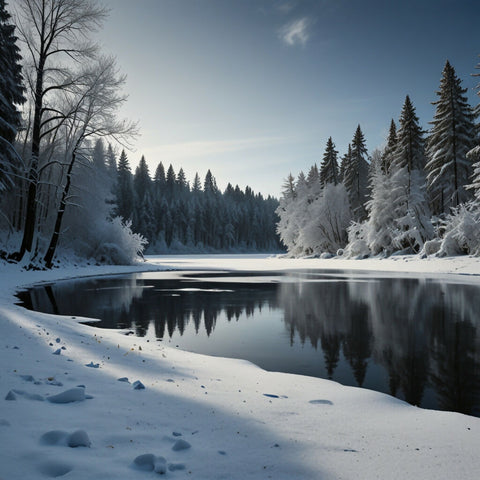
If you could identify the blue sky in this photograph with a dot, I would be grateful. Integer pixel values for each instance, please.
(252, 89)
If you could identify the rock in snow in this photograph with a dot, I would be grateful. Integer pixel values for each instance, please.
(76, 394)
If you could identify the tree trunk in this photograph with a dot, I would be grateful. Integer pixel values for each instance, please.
(48, 259)
(31, 209)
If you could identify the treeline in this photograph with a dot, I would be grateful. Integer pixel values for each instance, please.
(178, 217)
(420, 193)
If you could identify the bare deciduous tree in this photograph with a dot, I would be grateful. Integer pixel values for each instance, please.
(55, 33)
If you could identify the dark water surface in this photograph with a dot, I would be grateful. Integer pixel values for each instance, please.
(416, 339)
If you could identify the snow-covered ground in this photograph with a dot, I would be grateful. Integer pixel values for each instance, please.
(202, 417)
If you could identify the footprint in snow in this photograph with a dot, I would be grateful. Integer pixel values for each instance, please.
(78, 438)
(320, 402)
(148, 462)
(54, 469)
(180, 445)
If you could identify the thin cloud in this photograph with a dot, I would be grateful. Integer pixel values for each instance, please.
(296, 32)
(185, 150)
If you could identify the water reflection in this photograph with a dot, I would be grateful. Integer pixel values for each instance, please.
(415, 339)
(423, 333)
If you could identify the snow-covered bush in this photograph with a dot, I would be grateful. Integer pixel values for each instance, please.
(357, 240)
(462, 231)
(327, 221)
(117, 244)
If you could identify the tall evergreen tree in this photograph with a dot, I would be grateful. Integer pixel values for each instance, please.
(142, 180)
(197, 184)
(451, 137)
(170, 182)
(410, 146)
(474, 154)
(12, 94)
(329, 166)
(210, 184)
(124, 188)
(356, 176)
(387, 155)
(346, 159)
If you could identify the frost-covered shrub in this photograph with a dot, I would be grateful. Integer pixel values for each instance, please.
(462, 231)
(357, 240)
(327, 221)
(431, 247)
(117, 244)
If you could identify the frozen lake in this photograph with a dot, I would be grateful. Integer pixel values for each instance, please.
(413, 338)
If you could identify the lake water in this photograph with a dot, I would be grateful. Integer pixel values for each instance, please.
(416, 339)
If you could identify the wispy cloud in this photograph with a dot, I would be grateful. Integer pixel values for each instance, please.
(296, 32)
(204, 148)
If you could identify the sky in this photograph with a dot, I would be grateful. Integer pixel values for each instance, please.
(252, 89)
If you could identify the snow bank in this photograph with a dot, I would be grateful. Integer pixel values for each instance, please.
(198, 416)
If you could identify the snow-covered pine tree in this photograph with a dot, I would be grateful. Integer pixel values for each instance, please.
(355, 177)
(409, 151)
(12, 94)
(329, 166)
(452, 136)
(410, 205)
(344, 163)
(387, 155)
(285, 226)
(474, 154)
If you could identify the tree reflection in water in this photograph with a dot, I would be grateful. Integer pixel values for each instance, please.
(407, 337)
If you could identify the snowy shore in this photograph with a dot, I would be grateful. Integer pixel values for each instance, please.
(208, 418)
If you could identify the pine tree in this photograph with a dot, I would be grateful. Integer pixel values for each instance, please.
(142, 180)
(124, 188)
(474, 154)
(111, 160)
(329, 166)
(210, 184)
(11, 94)
(346, 159)
(197, 184)
(356, 176)
(387, 155)
(451, 137)
(410, 149)
(170, 182)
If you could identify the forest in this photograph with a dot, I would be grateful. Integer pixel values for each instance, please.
(418, 194)
(66, 186)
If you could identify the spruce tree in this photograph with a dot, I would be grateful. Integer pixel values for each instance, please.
(387, 155)
(141, 180)
(170, 182)
(197, 184)
(451, 137)
(356, 176)
(124, 188)
(11, 94)
(329, 166)
(410, 146)
(344, 163)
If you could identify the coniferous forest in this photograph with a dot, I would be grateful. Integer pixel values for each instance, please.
(418, 194)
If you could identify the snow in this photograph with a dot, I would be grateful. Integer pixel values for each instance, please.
(203, 417)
